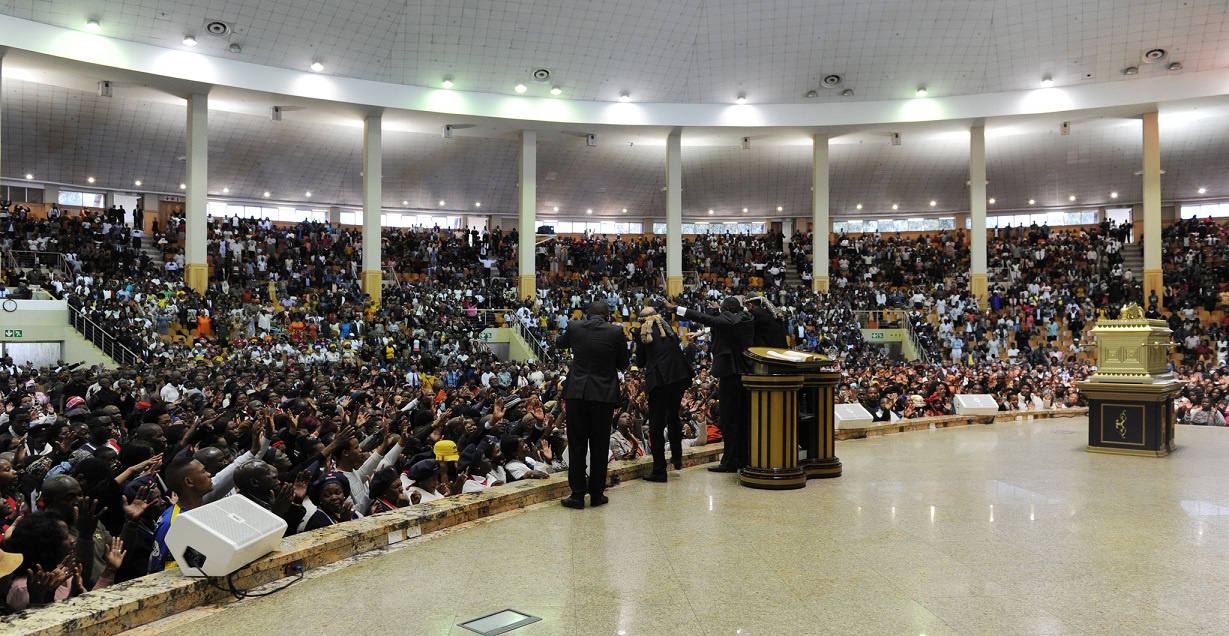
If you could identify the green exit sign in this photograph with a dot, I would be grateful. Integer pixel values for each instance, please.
(12, 333)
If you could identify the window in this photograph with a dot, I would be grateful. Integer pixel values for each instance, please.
(18, 194)
(659, 228)
(83, 199)
(1204, 210)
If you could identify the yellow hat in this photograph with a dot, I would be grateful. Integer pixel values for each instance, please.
(9, 562)
(446, 451)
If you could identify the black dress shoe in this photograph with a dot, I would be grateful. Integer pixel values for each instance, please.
(678, 465)
(722, 469)
(576, 504)
(661, 479)
(599, 500)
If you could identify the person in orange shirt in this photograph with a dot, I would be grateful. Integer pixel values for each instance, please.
(204, 325)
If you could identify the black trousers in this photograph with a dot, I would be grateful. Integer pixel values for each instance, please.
(664, 404)
(589, 427)
(735, 421)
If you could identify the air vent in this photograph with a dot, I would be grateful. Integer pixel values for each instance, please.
(1155, 55)
(541, 75)
(831, 81)
(217, 28)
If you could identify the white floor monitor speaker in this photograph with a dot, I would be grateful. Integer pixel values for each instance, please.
(221, 537)
(852, 416)
(975, 404)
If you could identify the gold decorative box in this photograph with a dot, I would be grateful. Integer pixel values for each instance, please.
(1132, 349)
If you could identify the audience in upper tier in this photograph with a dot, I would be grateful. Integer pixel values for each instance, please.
(285, 384)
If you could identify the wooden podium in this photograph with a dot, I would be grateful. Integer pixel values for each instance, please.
(778, 379)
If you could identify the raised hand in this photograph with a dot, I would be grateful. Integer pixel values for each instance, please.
(415, 498)
(114, 557)
(40, 584)
(301, 482)
(87, 516)
(136, 507)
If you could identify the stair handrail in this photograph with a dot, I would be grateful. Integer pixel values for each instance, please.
(101, 338)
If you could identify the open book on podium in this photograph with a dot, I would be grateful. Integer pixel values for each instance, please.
(770, 360)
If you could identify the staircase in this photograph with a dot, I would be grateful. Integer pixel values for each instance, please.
(1133, 259)
(792, 277)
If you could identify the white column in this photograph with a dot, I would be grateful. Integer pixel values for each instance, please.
(1153, 277)
(373, 164)
(674, 212)
(819, 212)
(196, 201)
(527, 284)
(978, 282)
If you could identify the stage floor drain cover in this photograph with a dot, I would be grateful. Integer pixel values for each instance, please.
(500, 622)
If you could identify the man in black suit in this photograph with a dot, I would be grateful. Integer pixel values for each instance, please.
(667, 375)
(769, 330)
(733, 331)
(591, 395)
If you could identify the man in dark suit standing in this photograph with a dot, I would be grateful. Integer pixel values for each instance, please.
(591, 395)
(769, 330)
(733, 330)
(667, 375)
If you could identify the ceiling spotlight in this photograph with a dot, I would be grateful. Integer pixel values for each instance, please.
(1113, 195)
(441, 202)
(1174, 66)
(741, 99)
(137, 182)
(1201, 190)
(1071, 198)
(267, 194)
(1130, 70)
(895, 206)
(625, 210)
(624, 97)
(89, 180)
(588, 211)
(307, 194)
(780, 209)
(555, 90)
(1032, 201)
(317, 66)
(859, 206)
(933, 203)
(234, 47)
(812, 94)
(29, 176)
(1047, 82)
(405, 203)
(477, 204)
(556, 208)
(93, 26)
(991, 201)
(922, 92)
(447, 83)
(183, 186)
(847, 92)
(189, 40)
(520, 88)
(225, 190)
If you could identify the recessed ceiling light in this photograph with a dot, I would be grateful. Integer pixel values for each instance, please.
(895, 206)
(234, 47)
(1201, 190)
(710, 211)
(588, 211)
(477, 204)
(189, 40)
(1071, 198)
(933, 203)
(225, 190)
(779, 208)
(922, 92)
(447, 83)
(93, 26)
(847, 92)
(625, 97)
(556, 208)
(317, 66)
(859, 206)
(1047, 82)
(307, 194)
(405, 203)
(183, 186)
(744, 210)
(1113, 195)
(741, 99)
(991, 201)
(812, 94)
(89, 180)
(441, 202)
(555, 90)
(1130, 70)
(137, 182)
(1032, 201)
(29, 176)
(520, 88)
(624, 210)
(267, 194)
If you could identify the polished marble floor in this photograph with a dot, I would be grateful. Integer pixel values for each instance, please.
(1004, 529)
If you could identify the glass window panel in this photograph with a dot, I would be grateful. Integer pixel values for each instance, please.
(69, 198)
(930, 225)
(855, 227)
(593, 227)
(1088, 218)
(885, 225)
(947, 223)
(870, 227)
(216, 209)
(1055, 219)
(349, 218)
(93, 200)
(840, 226)
(659, 228)
(607, 227)
(1072, 218)
(759, 228)
(636, 228)
(689, 228)
(914, 225)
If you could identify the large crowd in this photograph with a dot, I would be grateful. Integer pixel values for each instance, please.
(286, 384)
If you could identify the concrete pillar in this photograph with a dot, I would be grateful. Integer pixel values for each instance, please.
(527, 283)
(334, 215)
(1153, 277)
(819, 213)
(674, 213)
(373, 163)
(978, 283)
(196, 199)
